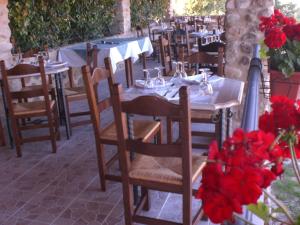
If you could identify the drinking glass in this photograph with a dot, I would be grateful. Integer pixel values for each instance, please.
(159, 80)
(182, 70)
(148, 81)
(177, 75)
(205, 88)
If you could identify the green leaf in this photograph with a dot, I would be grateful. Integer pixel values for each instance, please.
(261, 210)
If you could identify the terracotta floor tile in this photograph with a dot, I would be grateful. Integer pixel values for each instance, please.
(43, 208)
(11, 200)
(84, 212)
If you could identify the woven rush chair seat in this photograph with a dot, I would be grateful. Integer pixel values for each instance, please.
(164, 170)
(141, 128)
(31, 108)
(75, 92)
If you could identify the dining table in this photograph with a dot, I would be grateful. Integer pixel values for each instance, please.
(119, 49)
(55, 69)
(227, 93)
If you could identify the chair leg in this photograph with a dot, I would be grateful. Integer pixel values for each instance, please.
(52, 131)
(101, 166)
(128, 203)
(68, 115)
(2, 137)
(187, 207)
(169, 130)
(16, 136)
(145, 192)
(56, 123)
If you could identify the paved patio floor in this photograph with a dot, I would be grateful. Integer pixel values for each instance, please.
(63, 188)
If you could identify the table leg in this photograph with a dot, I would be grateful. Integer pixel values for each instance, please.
(11, 141)
(229, 115)
(62, 103)
(127, 73)
(144, 63)
(130, 71)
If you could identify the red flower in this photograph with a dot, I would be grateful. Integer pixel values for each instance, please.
(275, 38)
(268, 177)
(266, 123)
(289, 31)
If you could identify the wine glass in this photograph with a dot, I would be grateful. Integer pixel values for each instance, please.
(177, 75)
(148, 82)
(182, 70)
(159, 80)
(205, 87)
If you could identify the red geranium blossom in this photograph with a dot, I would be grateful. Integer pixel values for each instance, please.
(275, 38)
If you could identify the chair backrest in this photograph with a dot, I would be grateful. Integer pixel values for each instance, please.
(207, 59)
(147, 106)
(91, 82)
(165, 54)
(17, 73)
(182, 43)
(91, 61)
(139, 31)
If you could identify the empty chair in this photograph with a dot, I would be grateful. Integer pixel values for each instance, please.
(107, 135)
(75, 93)
(209, 119)
(20, 110)
(156, 166)
(165, 55)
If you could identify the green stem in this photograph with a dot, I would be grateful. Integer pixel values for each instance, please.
(280, 205)
(294, 161)
(242, 218)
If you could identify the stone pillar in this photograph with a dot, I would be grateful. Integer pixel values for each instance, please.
(241, 25)
(122, 20)
(5, 45)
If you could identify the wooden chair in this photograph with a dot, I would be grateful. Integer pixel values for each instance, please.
(21, 110)
(211, 60)
(75, 93)
(207, 118)
(163, 167)
(144, 130)
(2, 136)
(165, 55)
(139, 31)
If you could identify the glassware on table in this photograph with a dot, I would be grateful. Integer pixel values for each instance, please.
(182, 70)
(177, 75)
(205, 87)
(148, 82)
(17, 58)
(159, 80)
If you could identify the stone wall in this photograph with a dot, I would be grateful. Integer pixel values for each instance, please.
(242, 20)
(5, 45)
(122, 20)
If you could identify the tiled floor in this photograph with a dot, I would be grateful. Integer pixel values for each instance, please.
(63, 188)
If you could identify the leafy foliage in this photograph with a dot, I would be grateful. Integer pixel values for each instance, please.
(205, 7)
(144, 10)
(261, 210)
(58, 22)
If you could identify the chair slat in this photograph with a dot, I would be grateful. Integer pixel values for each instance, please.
(143, 105)
(162, 150)
(23, 69)
(104, 104)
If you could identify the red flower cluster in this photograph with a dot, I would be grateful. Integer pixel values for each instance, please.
(278, 28)
(275, 38)
(237, 174)
(285, 114)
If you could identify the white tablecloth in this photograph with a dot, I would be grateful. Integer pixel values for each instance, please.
(118, 49)
(226, 93)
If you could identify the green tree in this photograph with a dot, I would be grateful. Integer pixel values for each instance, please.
(205, 7)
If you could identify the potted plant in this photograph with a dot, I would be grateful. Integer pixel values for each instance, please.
(242, 170)
(282, 46)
